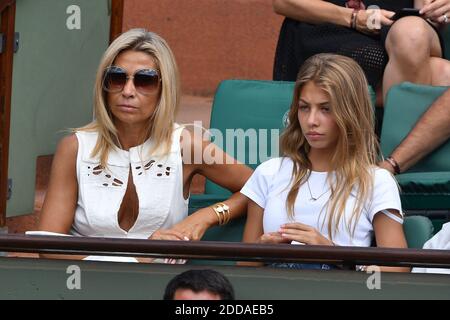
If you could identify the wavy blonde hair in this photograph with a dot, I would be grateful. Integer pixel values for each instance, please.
(160, 125)
(356, 151)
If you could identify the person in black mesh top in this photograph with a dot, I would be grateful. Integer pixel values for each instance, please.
(409, 49)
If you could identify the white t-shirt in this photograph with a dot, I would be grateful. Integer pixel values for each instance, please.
(270, 184)
(440, 241)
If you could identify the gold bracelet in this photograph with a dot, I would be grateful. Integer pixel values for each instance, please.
(226, 212)
(223, 213)
(218, 214)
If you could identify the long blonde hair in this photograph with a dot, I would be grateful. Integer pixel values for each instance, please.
(160, 125)
(356, 151)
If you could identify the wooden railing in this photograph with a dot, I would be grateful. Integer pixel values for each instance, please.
(116, 24)
(347, 256)
(8, 14)
(5, 3)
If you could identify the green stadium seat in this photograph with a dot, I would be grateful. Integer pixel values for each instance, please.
(418, 230)
(447, 42)
(426, 186)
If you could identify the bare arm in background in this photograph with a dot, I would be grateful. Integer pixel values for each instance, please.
(432, 129)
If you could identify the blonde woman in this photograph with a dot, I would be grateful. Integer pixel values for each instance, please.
(123, 175)
(326, 189)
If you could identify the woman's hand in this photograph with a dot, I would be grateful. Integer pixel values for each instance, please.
(196, 224)
(170, 234)
(162, 234)
(303, 233)
(370, 21)
(272, 238)
(437, 11)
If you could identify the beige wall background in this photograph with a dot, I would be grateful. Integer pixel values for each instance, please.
(212, 40)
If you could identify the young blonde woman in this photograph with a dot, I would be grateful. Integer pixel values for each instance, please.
(326, 189)
(123, 175)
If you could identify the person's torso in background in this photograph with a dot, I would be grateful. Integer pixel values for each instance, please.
(392, 5)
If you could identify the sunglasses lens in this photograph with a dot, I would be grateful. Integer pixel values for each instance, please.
(115, 80)
(146, 81)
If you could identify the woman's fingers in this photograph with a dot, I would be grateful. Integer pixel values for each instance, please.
(438, 14)
(177, 234)
(298, 237)
(431, 6)
(272, 237)
(306, 237)
(436, 10)
(385, 17)
(195, 234)
(168, 235)
(297, 226)
(297, 232)
(192, 230)
(387, 13)
(426, 9)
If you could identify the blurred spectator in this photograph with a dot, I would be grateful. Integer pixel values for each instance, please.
(199, 285)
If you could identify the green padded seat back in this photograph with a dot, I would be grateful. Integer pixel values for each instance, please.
(404, 105)
(426, 191)
(447, 42)
(425, 186)
(249, 104)
(418, 230)
(432, 182)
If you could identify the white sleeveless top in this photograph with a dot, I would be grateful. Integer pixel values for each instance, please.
(158, 182)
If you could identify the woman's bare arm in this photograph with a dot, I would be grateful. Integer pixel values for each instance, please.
(314, 11)
(60, 202)
(319, 11)
(389, 234)
(205, 158)
(61, 199)
(253, 229)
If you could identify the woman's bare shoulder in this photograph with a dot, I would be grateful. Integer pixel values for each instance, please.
(193, 140)
(67, 146)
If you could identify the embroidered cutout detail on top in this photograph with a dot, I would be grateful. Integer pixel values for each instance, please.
(157, 169)
(107, 177)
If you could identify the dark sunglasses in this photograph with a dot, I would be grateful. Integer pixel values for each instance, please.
(146, 81)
